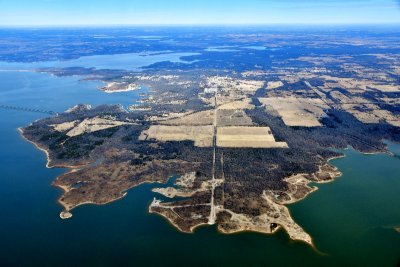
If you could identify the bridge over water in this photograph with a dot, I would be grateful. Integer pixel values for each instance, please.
(28, 109)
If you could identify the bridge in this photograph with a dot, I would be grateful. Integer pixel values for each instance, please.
(27, 109)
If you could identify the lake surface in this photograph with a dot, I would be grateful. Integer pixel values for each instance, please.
(222, 49)
(351, 219)
(131, 61)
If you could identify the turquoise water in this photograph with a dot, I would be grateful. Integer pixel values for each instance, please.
(351, 219)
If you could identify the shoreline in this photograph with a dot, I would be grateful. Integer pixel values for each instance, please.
(176, 227)
(238, 231)
(109, 85)
(65, 214)
(119, 90)
(334, 174)
(66, 189)
(48, 160)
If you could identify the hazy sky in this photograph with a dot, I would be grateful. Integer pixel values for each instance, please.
(82, 12)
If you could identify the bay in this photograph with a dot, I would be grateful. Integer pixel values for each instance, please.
(351, 220)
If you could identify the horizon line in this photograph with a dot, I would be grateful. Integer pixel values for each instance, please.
(110, 25)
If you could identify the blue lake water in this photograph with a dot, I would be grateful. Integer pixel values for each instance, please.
(255, 47)
(43, 91)
(351, 219)
(222, 49)
(131, 61)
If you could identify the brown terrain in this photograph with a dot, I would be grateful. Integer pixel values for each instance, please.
(240, 147)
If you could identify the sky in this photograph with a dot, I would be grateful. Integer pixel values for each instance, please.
(160, 12)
